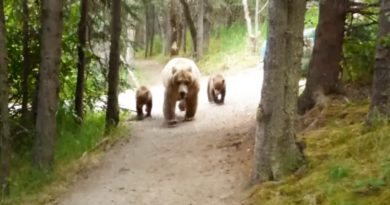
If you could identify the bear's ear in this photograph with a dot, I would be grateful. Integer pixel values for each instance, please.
(173, 70)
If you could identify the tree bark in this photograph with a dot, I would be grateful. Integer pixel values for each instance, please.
(200, 31)
(208, 9)
(380, 99)
(5, 146)
(276, 151)
(161, 29)
(52, 25)
(190, 23)
(247, 17)
(82, 34)
(147, 31)
(112, 112)
(151, 28)
(26, 61)
(251, 36)
(324, 66)
(168, 30)
(173, 17)
(184, 38)
(257, 17)
(179, 31)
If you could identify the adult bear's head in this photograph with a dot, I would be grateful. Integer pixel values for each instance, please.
(182, 80)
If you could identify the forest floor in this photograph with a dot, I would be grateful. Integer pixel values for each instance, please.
(205, 161)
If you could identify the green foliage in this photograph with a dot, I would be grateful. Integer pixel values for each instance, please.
(370, 183)
(73, 141)
(74, 138)
(386, 170)
(13, 26)
(359, 49)
(32, 186)
(311, 15)
(348, 164)
(97, 65)
(338, 172)
(228, 49)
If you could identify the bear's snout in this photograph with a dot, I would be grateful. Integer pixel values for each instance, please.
(216, 92)
(183, 94)
(183, 90)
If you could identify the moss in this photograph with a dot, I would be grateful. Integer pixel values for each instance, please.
(348, 164)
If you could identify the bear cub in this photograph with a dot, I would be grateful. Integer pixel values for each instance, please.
(143, 97)
(216, 89)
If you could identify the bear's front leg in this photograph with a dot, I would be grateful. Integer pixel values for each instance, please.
(221, 100)
(210, 92)
(169, 109)
(139, 111)
(192, 104)
(149, 106)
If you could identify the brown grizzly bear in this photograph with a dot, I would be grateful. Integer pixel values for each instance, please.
(143, 97)
(216, 89)
(181, 79)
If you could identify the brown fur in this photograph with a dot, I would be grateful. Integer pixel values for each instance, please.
(143, 98)
(181, 81)
(216, 89)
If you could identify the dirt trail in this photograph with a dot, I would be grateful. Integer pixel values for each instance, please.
(203, 162)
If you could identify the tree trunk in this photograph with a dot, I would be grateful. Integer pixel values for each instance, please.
(82, 34)
(161, 30)
(168, 30)
(147, 27)
(251, 36)
(174, 50)
(207, 25)
(190, 23)
(276, 151)
(112, 112)
(380, 99)
(139, 32)
(52, 25)
(184, 38)
(200, 31)
(179, 31)
(151, 28)
(26, 62)
(34, 104)
(257, 18)
(5, 146)
(324, 67)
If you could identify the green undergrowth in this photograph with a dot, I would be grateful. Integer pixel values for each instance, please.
(79, 147)
(229, 49)
(349, 164)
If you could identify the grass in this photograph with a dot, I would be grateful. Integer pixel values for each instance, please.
(78, 149)
(228, 49)
(348, 163)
